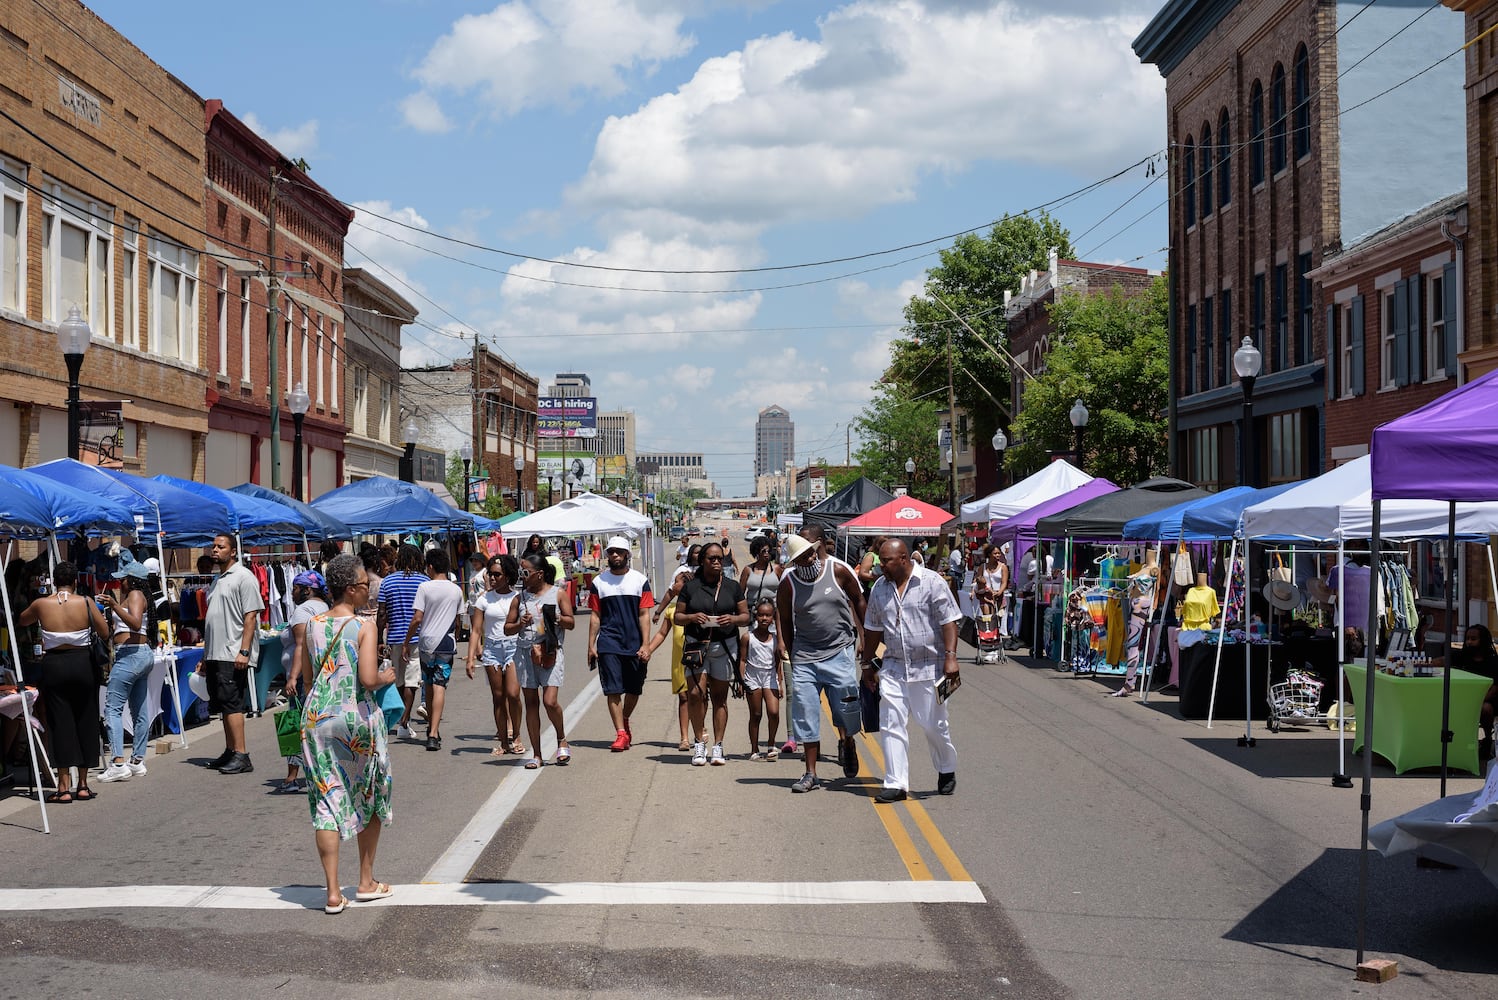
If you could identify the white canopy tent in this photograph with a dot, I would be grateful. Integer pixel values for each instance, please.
(591, 514)
(1055, 479)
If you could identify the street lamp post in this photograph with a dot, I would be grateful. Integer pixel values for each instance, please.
(73, 336)
(297, 401)
(551, 490)
(1247, 362)
(409, 434)
(1079, 417)
(465, 452)
(520, 483)
(999, 442)
(910, 476)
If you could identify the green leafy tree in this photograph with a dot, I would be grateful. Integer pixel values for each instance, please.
(971, 278)
(1111, 352)
(840, 478)
(894, 428)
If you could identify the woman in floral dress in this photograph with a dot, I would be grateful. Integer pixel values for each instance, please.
(343, 732)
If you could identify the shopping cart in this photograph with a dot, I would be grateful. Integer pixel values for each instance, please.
(1295, 701)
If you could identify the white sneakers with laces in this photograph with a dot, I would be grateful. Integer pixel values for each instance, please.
(699, 754)
(116, 772)
(137, 766)
(718, 759)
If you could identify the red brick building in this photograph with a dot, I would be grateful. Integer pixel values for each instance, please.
(249, 188)
(1479, 351)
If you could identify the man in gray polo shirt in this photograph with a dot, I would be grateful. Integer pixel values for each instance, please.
(231, 646)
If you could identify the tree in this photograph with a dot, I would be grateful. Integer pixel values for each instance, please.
(840, 478)
(972, 277)
(1111, 352)
(894, 428)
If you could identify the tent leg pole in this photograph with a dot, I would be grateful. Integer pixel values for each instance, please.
(1341, 779)
(15, 652)
(1247, 739)
(1365, 725)
(1221, 630)
(1446, 734)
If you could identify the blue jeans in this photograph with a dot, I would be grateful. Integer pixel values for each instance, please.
(837, 676)
(129, 680)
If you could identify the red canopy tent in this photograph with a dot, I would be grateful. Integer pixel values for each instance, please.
(901, 516)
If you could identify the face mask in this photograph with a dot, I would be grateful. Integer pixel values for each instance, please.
(809, 572)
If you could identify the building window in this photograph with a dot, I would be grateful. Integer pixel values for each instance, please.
(1205, 457)
(1256, 135)
(1435, 340)
(1350, 361)
(76, 263)
(1277, 120)
(1282, 357)
(1285, 450)
(1392, 324)
(1204, 170)
(12, 236)
(1224, 162)
(244, 329)
(1225, 331)
(1189, 384)
(1209, 370)
(1258, 316)
(172, 299)
(333, 365)
(1302, 95)
(221, 312)
(322, 362)
(360, 419)
(303, 341)
(1188, 173)
(130, 301)
(1305, 292)
(384, 411)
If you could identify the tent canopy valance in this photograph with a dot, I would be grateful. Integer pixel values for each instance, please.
(584, 514)
(22, 515)
(380, 504)
(1103, 517)
(1055, 479)
(902, 516)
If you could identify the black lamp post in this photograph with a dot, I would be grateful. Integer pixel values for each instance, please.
(297, 401)
(73, 336)
(1079, 417)
(465, 452)
(409, 434)
(520, 483)
(999, 442)
(1248, 362)
(551, 490)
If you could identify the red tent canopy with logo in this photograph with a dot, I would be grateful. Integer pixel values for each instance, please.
(901, 516)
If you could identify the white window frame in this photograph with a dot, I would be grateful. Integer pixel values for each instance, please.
(302, 343)
(385, 401)
(290, 358)
(1345, 336)
(360, 419)
(322, 359)
(221, 294)
(13, 260)
(333, 366)
(130, 275)
(1386, 339)
(244, 330)
(1435, 325)
(61, 206)
(167, 256)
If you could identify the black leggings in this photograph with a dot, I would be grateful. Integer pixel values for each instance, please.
(72, 700)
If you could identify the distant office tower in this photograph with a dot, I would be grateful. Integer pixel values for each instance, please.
(571, 385)
(774, 441)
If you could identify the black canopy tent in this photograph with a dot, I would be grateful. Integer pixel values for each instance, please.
(858, 497)
(1102, 518)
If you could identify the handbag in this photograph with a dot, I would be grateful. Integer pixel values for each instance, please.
(289, 731)
(693, 654)
(100, 657)
(1180, 568)
(544, 649)
(392, 706)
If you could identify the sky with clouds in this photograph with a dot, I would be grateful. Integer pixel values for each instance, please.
(643, 180)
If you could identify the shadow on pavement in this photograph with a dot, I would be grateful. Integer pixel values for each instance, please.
(1443, 918)
(1294, 758)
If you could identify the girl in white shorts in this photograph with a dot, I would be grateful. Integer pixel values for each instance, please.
(759, 652)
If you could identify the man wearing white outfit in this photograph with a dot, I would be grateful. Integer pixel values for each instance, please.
(911, 610)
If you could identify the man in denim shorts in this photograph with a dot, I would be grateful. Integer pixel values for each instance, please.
(435, 611)
(820, 604)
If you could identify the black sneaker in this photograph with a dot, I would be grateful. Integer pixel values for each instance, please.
(946, 783)
(847, 755)
(434, 743)
(239, 763)
(220, 760)
(889, 795)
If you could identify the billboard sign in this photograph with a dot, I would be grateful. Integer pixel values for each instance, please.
(613, 467)
(579, 470)
(567, 416)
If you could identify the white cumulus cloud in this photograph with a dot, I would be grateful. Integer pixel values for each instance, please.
(293, 142)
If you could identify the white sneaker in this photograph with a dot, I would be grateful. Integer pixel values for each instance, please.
(718, 759)
(699, 754)
(137, 766)
(403, 733)
(116, 772)
(420, 711)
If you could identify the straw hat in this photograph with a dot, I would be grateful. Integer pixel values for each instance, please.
(795, 546)
(1283, 595)
(1318, 592)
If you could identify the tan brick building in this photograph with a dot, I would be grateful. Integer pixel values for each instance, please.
(101, 203)
(249, 186)
(375, 316)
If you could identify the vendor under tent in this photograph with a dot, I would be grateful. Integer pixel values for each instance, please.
(1055, 479)
(1444, 452)
(858, 497)
(381, 505)
(71, 509)
(591, 514)
(902, 516)
(321, 527)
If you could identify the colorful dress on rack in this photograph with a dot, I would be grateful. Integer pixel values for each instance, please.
(343, 734)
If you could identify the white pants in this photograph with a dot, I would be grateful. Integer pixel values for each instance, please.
(902, 703)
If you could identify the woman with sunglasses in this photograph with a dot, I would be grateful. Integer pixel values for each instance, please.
(537, 618)
(712, 609)
(487, 630)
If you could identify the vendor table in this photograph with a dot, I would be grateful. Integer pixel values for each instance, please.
(1196, 664)
(187, 663)
(268, 667)
(1407, 717)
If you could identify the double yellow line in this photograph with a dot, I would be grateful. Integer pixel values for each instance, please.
(890, 815)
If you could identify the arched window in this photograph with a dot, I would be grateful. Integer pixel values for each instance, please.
(1224, 165)
(1188, 182)
(1302, 117)
(1204, 170)
(1277, 120)
(1255, 135)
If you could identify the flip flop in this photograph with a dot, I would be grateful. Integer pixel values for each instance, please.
(533, 764)
(333, 909)
(516, 747)
(380, 891)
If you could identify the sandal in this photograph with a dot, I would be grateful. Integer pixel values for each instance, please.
(516, 747)
(380, 891)
(564, 756)
(85, 794)
(59, 798)
(772, 754)
(533, 764)
(685, 746)
(333, 909)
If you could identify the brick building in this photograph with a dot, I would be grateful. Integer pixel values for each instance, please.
(1278, 125)
(101, 193)
(1479, 351)
(270, 224)
(374, 317)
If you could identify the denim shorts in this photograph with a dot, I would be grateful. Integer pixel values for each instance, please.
(837, 675)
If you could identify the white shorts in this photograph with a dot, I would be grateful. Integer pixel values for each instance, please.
(761, 679)
(410, 671)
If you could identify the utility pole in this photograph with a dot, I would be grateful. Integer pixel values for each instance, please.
(952, 418)
(847, 444)
(273, 331)
(476, 420)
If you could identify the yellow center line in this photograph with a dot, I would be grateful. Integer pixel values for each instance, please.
(923, 822)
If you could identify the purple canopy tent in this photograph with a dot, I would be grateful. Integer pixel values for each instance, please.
(1446, 450)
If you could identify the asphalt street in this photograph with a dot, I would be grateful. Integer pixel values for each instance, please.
(1095, 847)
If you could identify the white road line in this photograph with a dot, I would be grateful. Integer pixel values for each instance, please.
(463, 853)
(305, 897)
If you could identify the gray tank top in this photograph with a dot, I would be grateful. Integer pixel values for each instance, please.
(822, 620)
(762, 584)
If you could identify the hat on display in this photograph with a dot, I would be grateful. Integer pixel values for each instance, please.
(1317, 591)
(310, 578)
(796, 546)
(1282, 595)
(618, 542)
(129, 567)
(153, 566)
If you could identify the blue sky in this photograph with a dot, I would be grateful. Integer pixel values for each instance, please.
(686, 135)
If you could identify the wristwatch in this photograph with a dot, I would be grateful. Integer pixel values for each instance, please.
(244, 652)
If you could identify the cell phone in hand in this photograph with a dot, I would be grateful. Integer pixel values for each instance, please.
(946, 686)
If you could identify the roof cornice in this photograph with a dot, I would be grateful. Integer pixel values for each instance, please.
(1179, 27)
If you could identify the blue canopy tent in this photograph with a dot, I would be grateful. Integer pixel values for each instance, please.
(254, 521)
(1169, 524)
(378, 504)
(1221, 516)
(321, 527)
(71, 510)
(159, 508)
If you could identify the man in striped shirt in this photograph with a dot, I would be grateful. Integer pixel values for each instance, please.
(397, 605)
